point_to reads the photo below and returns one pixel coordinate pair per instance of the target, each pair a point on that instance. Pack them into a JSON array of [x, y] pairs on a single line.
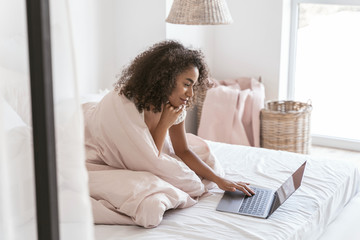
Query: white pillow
[[13, 35], [19, 150], [18, 139], [93, 97], [10, 118], [15, 89]]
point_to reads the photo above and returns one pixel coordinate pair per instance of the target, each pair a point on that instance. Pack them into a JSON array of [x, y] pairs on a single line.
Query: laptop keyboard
[[256, 204]]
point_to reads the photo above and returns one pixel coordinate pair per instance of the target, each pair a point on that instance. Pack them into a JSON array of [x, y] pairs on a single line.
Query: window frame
[[322, 140]]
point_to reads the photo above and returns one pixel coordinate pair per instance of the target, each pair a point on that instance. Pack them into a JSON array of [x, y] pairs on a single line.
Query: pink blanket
[[129, 182], [231, 112]]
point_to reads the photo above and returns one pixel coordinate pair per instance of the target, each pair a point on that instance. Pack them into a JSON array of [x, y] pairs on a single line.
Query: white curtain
[[17, 185]]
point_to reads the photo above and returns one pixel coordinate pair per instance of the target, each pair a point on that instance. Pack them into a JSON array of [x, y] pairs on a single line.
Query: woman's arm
[[168, 117], [179, 142]]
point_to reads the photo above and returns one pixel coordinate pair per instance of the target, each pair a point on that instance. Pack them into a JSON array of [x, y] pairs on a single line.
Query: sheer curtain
[[17, 185]]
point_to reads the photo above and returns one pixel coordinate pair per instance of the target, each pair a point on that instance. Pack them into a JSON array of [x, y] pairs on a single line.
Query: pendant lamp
[[199, 12]]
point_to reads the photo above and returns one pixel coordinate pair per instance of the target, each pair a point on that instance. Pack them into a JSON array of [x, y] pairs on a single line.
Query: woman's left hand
[[169, 115], [228, 185]]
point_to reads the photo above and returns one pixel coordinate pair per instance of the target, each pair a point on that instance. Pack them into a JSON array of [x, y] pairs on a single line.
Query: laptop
[[265, 201]]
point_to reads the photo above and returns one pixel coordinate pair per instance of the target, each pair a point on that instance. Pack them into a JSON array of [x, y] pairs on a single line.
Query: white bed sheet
[[327, 187]]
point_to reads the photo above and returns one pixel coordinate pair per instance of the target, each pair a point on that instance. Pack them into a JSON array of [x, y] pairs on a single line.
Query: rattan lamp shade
[[199, 12]]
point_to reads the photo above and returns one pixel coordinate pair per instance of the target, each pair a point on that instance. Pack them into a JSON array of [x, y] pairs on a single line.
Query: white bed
[[326, 206], [328, 186]]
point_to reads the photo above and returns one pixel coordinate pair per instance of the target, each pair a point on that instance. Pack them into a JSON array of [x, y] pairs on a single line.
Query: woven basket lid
[[199, 12]]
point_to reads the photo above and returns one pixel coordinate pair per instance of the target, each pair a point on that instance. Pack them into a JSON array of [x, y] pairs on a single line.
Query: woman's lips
[[184, 101]]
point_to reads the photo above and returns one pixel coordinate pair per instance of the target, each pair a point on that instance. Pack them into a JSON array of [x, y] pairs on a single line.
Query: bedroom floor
[[336, 153]]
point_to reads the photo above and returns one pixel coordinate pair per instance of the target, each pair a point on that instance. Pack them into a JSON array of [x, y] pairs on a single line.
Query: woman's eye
[[187, 85]]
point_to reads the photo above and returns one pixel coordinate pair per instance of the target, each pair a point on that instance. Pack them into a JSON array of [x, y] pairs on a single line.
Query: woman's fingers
[[244, 190], [228, 185], [230, 189], [244, 187], [176, 109], [170, 114], [248, 187], [180, 108]]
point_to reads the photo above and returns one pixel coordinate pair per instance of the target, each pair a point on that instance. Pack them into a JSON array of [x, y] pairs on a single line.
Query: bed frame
[[44, 137], [38, 26]]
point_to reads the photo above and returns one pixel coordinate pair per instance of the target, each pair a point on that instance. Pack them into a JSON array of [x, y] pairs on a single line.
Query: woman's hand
[[170, 114], [168, 117], [231, 186]]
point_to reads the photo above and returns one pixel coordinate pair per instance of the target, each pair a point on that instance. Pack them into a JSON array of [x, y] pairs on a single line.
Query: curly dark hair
[[151, 77]]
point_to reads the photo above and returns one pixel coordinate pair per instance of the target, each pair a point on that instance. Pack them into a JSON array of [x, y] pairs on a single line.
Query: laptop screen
[[288, 187]]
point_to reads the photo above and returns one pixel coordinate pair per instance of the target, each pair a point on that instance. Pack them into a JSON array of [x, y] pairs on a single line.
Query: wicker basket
[[285, 125], [199, 102]]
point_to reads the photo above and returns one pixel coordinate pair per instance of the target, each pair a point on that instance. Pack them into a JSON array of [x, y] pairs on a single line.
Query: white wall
[[254, 45], [13, 37], [126, 28], [251, 46], [108, 34], [198, 37], [83, 14]]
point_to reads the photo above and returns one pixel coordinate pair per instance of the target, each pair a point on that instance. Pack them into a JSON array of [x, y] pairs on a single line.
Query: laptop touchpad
[[231, 201]]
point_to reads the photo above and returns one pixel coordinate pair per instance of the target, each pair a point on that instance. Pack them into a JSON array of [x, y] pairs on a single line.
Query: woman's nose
[[190, 92]]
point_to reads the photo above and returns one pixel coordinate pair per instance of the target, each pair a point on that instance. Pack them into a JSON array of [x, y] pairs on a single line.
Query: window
[[325, 68]]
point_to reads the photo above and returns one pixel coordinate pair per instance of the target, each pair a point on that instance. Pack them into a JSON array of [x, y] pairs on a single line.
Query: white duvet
[[327, 187]]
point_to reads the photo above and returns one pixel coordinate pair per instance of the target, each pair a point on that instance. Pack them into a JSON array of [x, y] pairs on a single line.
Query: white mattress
[[326, 188]]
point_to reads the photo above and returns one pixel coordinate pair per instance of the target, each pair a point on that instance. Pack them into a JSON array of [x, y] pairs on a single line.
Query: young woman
[[162, 83]]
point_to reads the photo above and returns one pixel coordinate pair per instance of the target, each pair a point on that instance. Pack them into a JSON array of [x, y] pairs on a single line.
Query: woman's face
[[184, 86]]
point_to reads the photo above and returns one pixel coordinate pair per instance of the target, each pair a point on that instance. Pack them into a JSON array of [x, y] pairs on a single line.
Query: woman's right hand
[[170, 114], [228, 185]]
